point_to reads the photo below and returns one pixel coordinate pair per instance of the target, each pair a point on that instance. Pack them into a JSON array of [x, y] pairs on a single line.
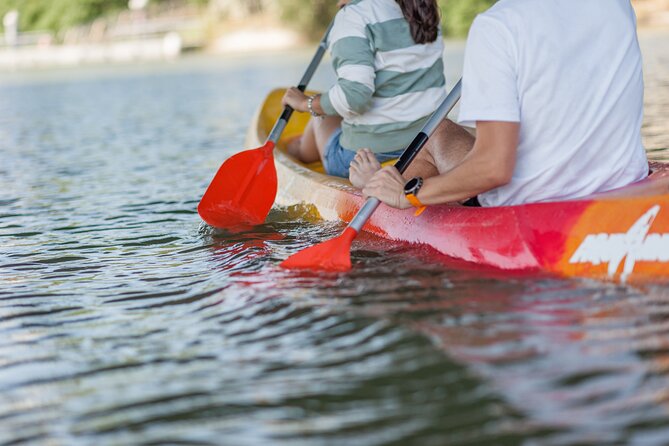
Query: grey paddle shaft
[[411, 151], [281, 124]]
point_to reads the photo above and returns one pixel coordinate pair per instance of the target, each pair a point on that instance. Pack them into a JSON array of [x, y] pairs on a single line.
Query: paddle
[[334, 255], [245, 186]]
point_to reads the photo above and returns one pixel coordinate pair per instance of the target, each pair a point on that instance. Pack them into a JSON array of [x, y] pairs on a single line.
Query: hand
[[388, 186], [295, 99], [342, 3]]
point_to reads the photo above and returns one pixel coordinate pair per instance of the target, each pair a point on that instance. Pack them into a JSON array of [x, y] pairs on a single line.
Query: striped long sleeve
[[387, 84], [353, 61]]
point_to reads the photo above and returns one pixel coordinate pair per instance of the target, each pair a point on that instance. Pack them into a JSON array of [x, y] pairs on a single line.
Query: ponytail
[[423, 17]]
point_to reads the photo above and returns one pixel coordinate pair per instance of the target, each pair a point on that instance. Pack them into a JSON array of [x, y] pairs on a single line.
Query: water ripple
[[124, 320]]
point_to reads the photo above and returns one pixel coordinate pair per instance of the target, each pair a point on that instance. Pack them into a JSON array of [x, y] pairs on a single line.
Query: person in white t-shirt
[[555, 90]]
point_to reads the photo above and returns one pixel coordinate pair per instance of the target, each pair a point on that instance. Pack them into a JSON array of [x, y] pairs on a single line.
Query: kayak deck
[[620, 235]]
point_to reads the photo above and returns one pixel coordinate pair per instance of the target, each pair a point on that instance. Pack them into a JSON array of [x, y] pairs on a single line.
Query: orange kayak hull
[[622, 236]]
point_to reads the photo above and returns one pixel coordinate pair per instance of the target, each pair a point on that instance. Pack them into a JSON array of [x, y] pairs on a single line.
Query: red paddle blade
[[243, 190], [333, 255]]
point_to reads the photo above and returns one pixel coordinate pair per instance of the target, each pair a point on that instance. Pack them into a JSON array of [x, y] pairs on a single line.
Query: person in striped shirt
[[388, 57]]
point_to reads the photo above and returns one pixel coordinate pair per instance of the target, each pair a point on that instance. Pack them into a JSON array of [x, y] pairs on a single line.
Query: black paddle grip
[[411, 151], [287, 113]]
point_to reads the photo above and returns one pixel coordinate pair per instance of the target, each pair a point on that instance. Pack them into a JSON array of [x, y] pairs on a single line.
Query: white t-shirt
[[570, 71]]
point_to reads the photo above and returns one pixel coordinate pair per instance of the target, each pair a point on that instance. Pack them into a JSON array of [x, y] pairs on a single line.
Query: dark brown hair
[[423, 17]]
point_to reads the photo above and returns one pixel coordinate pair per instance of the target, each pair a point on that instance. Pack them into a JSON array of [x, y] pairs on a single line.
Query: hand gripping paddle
[[244, 188], [334, 255]]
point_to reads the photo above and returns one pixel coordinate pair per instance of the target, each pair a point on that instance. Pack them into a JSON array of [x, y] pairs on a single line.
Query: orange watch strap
[[415, 202]]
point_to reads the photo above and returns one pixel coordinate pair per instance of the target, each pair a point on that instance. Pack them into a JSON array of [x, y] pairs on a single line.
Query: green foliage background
[[457, 15], [311, 16], [57, 15]]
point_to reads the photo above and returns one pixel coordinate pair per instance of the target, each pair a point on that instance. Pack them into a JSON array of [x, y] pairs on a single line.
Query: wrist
[[404, 203], [311, 103], [411, 189]]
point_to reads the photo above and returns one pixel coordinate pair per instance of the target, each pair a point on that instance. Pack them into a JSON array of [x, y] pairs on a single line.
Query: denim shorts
[[338, 159]]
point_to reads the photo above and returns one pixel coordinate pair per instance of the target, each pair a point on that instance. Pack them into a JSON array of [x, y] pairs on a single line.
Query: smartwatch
[[411, 189]]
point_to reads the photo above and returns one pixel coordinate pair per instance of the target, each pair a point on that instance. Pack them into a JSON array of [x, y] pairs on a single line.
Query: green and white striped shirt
[[387, 85]]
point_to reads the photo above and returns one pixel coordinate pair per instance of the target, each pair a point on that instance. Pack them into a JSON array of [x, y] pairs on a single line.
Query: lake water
[[123, 320]]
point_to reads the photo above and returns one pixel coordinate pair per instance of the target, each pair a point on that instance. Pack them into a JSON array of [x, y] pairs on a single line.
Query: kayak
[[621, 235]]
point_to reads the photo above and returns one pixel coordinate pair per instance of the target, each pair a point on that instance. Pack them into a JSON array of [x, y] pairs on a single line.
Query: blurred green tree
[[57, 15], [312, 16], [309, 16], [457, 15]]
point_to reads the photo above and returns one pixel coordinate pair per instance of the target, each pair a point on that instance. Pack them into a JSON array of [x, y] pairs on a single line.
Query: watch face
[[411, 185]]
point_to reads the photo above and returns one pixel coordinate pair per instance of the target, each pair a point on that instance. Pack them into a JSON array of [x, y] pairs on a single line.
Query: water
[[124, 321]]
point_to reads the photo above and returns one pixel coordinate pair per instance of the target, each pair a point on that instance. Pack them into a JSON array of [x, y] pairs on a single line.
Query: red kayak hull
[[621, 236]]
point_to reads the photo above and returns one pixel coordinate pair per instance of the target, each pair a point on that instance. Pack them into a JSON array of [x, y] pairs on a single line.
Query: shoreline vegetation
[[309, 16], [37, 33]]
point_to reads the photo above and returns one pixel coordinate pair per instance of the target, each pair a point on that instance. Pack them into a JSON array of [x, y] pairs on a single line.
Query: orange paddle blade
[[333, 255], [243, 190]]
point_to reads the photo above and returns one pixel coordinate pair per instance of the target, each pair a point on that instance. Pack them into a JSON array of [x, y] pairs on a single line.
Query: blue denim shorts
[[338, 159]]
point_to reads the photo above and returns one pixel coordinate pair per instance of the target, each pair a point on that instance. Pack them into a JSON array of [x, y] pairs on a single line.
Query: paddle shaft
[[411, 152], [281, 124]]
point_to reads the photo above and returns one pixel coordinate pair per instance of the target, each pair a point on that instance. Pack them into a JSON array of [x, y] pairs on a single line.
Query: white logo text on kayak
[[637, 245]]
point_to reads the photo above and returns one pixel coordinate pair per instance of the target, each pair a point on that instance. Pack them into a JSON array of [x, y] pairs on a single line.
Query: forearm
[[348, 98], [490, 164], [470, 178], [316, 105]]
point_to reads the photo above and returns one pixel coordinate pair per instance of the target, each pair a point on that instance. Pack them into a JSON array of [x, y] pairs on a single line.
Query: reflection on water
[[124, 321], [656, 107]]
